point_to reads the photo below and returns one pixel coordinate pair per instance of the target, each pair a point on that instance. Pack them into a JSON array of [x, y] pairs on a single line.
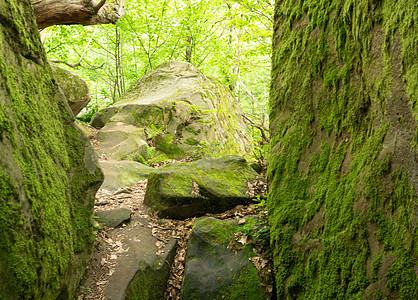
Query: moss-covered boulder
[[74, 88], [343, 165], [181, 112], [119, 174], [191, 189], [215, 272], [48, 172]]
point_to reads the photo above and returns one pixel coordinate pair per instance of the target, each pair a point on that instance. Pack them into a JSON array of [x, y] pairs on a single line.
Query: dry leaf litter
[[109, 242]]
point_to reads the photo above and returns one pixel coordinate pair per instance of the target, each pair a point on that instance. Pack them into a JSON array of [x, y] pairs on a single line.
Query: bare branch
[[262, 129], [78, 64], [99, 6]]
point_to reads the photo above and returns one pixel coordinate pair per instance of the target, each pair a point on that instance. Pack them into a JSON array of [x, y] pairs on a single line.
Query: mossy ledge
[[48, 172], [343, 165]]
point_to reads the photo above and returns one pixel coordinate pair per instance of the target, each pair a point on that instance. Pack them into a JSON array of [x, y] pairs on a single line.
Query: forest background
[[227, 39]]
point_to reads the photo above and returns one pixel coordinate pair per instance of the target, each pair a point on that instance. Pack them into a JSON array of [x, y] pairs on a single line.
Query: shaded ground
[[108, 243]]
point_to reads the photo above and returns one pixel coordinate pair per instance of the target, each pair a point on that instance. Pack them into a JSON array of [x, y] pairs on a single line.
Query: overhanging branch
[[84, 12]]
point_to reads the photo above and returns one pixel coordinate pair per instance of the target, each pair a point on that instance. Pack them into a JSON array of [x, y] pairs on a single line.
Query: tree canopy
[[227, 39]]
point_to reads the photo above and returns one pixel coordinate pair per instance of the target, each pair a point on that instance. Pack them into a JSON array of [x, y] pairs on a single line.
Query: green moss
[[150, 281], [246, 286], [331, 174], [214, 231], [401, 276], [152, 117], [46, 188], [376, 264], [191, 142], [229, 275], [167, 144], [5, 124]]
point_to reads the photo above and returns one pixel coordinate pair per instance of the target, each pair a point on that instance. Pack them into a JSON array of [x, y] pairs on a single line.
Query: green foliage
[[204, 150], [230, 40]]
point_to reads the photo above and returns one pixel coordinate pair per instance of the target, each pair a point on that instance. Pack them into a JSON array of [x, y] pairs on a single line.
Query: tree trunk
[[85, 12]]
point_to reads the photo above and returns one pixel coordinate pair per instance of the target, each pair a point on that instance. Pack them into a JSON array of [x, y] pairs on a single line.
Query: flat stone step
[[143, 270]]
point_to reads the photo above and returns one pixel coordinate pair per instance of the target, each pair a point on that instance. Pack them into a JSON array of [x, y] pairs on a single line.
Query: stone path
[[143, 242], [113, 244]]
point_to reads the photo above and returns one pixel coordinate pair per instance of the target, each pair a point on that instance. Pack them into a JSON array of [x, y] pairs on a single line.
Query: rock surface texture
[[48, 172], [343, 167], [119, 174], [185, 190], [74, 88], [215, 272], [173, 111], [142, 271], [113, 218]]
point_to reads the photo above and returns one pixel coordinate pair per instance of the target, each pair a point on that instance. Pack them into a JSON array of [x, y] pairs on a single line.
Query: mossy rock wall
[[343, 166], [48, 171]]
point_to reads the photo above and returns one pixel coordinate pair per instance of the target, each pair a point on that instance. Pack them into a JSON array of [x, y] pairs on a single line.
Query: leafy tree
[[227, 39]]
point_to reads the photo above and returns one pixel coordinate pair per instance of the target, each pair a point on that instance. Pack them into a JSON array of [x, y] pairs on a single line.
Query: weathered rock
[[182, 112], [48, 171], [85, 128], [141, 273], [120, 141], [343, 158], [185, 190], [119, 174], [74, 88], [113, 218], [215, 272]]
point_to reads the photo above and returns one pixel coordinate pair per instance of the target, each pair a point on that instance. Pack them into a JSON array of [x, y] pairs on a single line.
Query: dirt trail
[[109, 246]]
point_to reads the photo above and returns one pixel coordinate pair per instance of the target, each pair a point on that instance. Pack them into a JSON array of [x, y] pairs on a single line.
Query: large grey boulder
[[185, 190], [74, 88], [48, 170], [215, 272], [177, 110]]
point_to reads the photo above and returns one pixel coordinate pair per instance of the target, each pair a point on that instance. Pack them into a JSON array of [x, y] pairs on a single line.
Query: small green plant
[[260, 201], [97, 227], [85, 291], [257, 229]]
